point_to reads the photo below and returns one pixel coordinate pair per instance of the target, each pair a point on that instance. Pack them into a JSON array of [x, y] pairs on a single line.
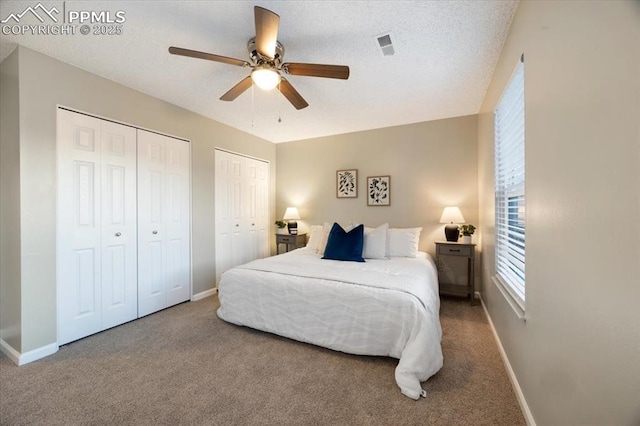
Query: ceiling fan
[[265, 59]]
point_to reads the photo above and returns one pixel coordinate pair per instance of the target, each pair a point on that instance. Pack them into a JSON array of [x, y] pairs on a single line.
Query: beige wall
[[45, 83], [10, 202], [577, 356], [432, 165]]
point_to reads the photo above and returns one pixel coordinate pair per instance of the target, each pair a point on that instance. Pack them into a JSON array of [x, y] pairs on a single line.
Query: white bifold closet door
[[242, 210], [163, 222], [97, 232], [123, 234]]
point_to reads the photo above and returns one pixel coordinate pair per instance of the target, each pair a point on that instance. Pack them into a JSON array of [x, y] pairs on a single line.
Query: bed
[[382, 307]]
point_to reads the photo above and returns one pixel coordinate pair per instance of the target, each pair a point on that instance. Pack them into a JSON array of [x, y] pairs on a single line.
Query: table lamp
[[451, 216], [291, 215]]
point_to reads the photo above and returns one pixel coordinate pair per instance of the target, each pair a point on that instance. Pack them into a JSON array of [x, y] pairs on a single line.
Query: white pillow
[[375, 242], [315, 237], [403, 242], [350, 226], [325, 236]]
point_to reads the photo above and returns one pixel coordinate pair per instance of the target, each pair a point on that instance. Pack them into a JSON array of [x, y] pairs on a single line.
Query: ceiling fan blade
[[208, 56], [317, 70], [267, 24], [237, 90], [292, 94]]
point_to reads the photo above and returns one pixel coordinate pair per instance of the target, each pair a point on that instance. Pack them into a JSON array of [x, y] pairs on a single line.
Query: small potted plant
[[467, 231], [281, 224]]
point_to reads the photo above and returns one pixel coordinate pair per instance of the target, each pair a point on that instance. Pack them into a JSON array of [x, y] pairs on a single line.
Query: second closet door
[[242, 210], [163, 222]]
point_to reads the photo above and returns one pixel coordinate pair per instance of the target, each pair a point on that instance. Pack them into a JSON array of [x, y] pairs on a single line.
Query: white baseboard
[[37, 354], [514, 380], [27, 357], [203, 294], [11, 353]]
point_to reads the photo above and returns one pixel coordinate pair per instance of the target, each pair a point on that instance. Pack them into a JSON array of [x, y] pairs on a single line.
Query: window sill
[[517, 309]]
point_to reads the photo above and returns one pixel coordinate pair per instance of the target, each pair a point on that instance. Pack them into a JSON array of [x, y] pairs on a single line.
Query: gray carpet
[[185, 366]]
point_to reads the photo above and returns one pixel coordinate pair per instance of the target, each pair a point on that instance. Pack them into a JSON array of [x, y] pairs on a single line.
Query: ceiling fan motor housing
[[258, 59]]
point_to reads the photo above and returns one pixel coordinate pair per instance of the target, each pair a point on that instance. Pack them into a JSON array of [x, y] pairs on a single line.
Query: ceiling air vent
[[384, 41]]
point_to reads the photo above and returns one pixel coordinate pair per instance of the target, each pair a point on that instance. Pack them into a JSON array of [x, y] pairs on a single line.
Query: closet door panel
[[251, 211], [223, 209], [78, 247], [229, 205], [262, 209], [151, 227], [119, 225], [258, 208], [238, 225], [163, 222], [178, 213]]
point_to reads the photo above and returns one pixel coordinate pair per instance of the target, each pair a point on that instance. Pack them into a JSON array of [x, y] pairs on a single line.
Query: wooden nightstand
[[456, 269], [297, 241]]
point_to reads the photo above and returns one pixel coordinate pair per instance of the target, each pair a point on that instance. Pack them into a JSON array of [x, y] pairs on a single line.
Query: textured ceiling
[[445, 53]]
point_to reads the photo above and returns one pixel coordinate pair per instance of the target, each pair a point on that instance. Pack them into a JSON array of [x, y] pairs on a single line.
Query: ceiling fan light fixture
[[265, 78]]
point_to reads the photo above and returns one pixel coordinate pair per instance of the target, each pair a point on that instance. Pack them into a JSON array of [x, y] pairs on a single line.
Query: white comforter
[[380, 307]]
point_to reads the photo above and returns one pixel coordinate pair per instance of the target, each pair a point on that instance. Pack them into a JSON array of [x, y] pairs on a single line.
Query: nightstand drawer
[[452, 250], [295, 241]]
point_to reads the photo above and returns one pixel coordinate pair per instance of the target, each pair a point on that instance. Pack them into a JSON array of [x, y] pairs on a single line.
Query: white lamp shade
[[451, 215], [291, 214], [265, 78]]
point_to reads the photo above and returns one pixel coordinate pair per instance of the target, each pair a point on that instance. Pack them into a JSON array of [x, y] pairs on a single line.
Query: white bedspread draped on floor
[[379, 307]]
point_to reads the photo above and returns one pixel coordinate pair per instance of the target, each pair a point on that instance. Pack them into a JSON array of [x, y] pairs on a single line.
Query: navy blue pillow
[[342, 245]]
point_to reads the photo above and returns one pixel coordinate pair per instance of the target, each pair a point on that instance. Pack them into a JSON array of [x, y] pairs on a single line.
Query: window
[[510, 188]]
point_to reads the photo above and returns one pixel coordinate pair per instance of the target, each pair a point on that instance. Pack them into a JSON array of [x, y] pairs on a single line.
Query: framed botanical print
[[379, 191], [347, 183]]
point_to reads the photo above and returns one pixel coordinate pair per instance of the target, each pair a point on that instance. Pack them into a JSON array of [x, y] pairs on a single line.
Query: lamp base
[[451, 232], [292, 226]]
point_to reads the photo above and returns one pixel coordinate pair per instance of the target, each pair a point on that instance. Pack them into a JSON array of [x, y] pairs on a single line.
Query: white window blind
[[509, 187]]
